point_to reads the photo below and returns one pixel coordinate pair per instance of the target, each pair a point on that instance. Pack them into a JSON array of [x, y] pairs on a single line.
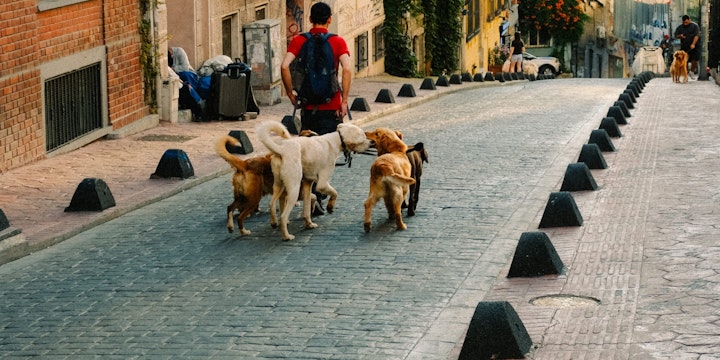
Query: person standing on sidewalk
[[321, 118], [517, 47], [689, 34], [667, 46]]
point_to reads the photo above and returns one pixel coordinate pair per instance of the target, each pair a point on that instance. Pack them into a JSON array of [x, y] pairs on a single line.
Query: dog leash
[[347, 153]]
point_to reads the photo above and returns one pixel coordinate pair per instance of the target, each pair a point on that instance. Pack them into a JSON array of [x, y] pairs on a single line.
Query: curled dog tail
[[234, 161], [400, 180], [266, 128], [389, 173]]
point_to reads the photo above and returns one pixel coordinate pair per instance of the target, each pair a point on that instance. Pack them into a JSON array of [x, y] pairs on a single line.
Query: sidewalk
[[34, 197], [641, 279]]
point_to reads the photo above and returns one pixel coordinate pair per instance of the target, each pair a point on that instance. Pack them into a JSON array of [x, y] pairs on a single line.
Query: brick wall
[[29, 38], [21, 130], [125, 86]]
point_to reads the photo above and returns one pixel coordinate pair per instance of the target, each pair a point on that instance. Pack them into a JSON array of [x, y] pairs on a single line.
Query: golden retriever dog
[[417, 155], [678, 67], [297, 162], [389, 175], [530, 68], [253, 178]]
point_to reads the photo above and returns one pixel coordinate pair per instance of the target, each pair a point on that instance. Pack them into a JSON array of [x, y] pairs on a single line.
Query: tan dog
[[300, 161], [530, 68], [389, 175], [252, 180], [678, 67]]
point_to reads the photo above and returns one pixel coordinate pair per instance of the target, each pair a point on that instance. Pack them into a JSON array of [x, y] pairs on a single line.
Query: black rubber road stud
[[578, 178], [561, 210], [495, 332], [92, 194], [174, 164], [535, 256]]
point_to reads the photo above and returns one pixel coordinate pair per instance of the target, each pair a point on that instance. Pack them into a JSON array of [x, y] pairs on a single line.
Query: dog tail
[[234, 161], [400, 180], [266, 128]]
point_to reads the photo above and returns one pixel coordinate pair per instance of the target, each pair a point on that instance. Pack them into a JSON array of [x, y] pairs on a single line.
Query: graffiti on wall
[[356, 18], [294, 16]]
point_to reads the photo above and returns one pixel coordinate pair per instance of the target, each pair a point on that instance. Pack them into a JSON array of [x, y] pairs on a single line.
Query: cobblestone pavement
[[166, 280]]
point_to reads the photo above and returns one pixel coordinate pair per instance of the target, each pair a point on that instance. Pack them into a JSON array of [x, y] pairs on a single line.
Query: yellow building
[[485, 24]]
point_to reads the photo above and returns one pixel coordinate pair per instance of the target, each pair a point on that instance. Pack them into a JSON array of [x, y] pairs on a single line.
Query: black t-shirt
[[517, 45]]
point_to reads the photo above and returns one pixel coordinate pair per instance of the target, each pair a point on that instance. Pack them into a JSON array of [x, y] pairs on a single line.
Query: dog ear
[[398, 133]]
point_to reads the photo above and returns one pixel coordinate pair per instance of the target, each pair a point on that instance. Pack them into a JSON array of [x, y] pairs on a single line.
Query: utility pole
[[704, 25]]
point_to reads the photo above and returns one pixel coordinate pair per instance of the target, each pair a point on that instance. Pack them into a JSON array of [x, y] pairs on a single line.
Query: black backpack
[[313, 71]]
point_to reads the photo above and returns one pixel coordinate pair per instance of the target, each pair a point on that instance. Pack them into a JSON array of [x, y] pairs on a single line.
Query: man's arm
[[347, 74], [286, 76]]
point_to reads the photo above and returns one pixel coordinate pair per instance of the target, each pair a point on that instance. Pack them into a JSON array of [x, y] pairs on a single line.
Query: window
[[361, 47], [227, 35], [472, 16], [73, 105], [54, 4], [378, 43], [261, 12], [537, 38]]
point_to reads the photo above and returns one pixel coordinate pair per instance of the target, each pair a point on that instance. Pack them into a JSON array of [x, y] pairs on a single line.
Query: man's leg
[[322, 122]]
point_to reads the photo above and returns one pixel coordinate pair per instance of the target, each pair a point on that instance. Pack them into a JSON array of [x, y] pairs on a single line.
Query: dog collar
[[342, 142]]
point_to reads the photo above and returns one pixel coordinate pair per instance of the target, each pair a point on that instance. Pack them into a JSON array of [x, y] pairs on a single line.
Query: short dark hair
[[686, 17], [320, 13]]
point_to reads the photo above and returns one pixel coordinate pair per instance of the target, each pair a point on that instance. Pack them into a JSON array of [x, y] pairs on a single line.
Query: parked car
[[546, 65]]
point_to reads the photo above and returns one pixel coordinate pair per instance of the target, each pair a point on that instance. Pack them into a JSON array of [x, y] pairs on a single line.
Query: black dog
[[417, 154]]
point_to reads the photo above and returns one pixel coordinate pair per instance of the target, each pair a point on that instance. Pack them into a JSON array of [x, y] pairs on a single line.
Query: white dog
[[530, 68], [300, 161]]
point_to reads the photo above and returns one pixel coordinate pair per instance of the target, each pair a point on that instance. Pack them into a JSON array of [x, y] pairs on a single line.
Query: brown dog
[[252, 180], [389, 175], [417, 155], [679, 66]]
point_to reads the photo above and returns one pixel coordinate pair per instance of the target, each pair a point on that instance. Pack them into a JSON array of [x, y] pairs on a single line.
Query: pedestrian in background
[[689, 34], [667, 46], [517, 47]]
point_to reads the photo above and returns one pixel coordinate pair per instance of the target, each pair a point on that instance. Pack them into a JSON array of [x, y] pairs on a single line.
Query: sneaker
[[691, 75]]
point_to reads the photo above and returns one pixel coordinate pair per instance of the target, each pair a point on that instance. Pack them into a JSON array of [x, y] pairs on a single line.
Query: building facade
[[69, 75]]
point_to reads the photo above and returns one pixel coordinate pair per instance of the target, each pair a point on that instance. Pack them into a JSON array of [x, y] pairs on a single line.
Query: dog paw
[[245, 232], [368, 227], [310, 225], [230, 230], [401, 227], [411, 212], [288, 237], [273, 225]]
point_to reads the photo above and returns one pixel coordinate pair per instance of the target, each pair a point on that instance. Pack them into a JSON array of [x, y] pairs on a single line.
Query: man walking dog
[[689, 34], [305, 59]]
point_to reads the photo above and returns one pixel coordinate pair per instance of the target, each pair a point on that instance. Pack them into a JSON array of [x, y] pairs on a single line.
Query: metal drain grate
[[564, 301], [168, 138]]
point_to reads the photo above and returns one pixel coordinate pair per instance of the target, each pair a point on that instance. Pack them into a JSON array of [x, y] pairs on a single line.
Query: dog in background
[[253, 178], [417, 155], [530, 68], [389, 175], [678, 67], [297, 162]]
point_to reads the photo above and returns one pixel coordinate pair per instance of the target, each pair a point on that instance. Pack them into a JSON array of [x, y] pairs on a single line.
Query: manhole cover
[[169, 138], [564, 301]]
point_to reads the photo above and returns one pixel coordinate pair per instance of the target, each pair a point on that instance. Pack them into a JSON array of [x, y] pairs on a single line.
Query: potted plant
[[497, 58]]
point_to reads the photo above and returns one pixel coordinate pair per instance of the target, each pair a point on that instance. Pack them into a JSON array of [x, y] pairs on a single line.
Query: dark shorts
[[319, 121], [694, 54]]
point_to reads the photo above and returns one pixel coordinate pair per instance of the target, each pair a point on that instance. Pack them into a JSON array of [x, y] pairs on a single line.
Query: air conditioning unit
[[600, 32]]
